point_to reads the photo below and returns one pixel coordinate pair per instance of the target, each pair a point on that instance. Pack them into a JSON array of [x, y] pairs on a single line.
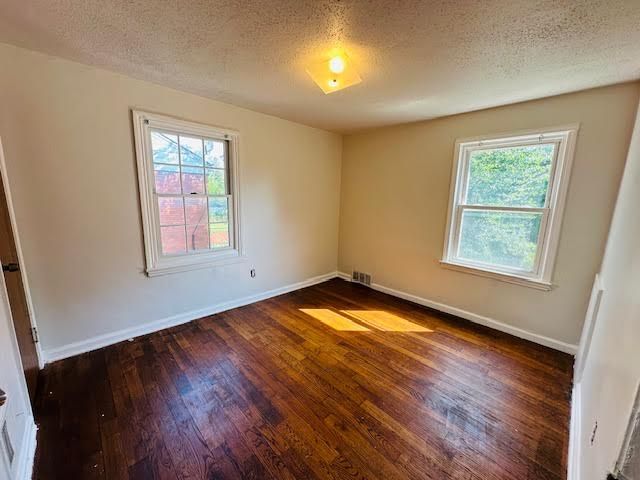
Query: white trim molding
[[27, 452], [550, 213], [573, 460], [475, 318], [99, 341], [488, 273], [158, 263], [23, 268], [591, 318]]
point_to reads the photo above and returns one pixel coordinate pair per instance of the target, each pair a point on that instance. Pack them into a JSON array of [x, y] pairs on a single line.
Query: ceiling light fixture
[[336, 64], [334, 74]]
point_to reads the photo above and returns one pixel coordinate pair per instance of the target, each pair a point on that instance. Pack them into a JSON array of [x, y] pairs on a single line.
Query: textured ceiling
[[418, 59]]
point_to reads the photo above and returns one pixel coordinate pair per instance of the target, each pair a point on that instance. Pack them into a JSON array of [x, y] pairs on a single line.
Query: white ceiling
[[418, 59]]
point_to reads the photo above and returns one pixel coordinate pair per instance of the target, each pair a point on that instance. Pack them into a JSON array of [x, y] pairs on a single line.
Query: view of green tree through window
[[509, 239], [505, 177], [510, 177]]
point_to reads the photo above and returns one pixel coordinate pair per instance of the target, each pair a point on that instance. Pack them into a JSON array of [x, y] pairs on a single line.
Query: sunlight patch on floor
[[385, 321], [334, 320], [376, 319]]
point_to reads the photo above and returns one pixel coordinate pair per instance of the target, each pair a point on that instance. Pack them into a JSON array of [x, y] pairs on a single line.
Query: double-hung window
[[188, 180], [505, 209]]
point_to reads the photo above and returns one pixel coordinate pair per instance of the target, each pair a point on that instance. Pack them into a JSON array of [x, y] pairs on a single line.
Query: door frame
[[16, 236], [24, 453]]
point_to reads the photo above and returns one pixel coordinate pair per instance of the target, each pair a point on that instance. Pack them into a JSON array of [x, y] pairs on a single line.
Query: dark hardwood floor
[[333, 381]]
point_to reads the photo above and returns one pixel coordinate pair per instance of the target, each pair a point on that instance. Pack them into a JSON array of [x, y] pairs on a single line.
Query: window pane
[[507, 239], [173, 240], [218, 209], [214, 153], [197, 238], [216, 182], [165, 147], [167, 179], [196, 210], [510, 176], [191, 151], [171, 210], [192, 180], [219, 233]]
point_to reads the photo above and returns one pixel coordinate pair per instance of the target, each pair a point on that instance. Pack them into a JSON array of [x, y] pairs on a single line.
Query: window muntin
[[505, 209], [188, 186]]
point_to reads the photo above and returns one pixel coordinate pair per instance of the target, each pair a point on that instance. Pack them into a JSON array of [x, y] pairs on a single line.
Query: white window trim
[[156, 262], [541, 277]]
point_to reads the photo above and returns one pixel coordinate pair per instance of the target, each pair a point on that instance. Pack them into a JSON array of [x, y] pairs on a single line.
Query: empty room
[[320, 239]]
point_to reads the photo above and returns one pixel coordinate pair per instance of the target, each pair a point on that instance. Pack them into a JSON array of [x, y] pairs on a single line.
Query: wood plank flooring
[[334, 381]]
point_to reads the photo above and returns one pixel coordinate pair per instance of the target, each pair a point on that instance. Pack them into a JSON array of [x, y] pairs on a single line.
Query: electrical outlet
[[593, 433], [253, 273]]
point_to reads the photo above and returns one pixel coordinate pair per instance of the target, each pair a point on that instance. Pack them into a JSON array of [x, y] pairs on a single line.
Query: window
[[188, 178], [505, 210]]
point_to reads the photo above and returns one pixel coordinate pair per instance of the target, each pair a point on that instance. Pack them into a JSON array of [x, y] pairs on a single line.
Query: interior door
[[17, 429], [17, 297]]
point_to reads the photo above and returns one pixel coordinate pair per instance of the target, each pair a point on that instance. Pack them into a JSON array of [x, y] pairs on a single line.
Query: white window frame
[[552, 212], [156, 262]]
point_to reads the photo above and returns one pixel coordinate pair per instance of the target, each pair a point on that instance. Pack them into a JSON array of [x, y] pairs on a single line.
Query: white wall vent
[[361, 277]]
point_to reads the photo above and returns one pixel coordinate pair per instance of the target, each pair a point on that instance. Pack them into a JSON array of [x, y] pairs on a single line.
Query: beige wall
[[612, 367], [67, 135], [395, 191]]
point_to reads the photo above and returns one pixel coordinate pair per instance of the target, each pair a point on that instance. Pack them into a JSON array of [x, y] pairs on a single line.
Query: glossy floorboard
[[333, 381]]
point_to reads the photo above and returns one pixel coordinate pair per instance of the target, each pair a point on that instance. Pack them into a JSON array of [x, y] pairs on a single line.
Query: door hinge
[[34, 334]]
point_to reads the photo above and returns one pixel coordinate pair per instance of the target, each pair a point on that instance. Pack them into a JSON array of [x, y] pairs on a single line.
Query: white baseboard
[[573, 462], [475, 318], [99, 341], [344, 276], [27, 452]]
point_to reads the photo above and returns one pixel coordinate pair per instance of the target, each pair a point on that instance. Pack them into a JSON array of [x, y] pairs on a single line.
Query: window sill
[[183, 265], [501, 276]]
